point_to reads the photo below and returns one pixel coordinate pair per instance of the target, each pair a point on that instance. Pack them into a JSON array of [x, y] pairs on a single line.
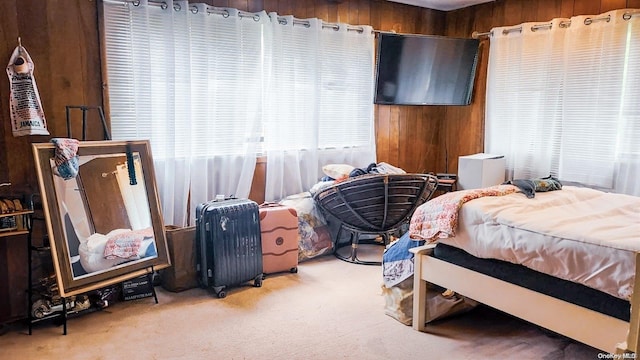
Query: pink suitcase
[[280, 237]]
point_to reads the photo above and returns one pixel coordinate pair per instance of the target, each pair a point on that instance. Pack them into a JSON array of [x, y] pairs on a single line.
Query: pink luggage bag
[[280, 237]]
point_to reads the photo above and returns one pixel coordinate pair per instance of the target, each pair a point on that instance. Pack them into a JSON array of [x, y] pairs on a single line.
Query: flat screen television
[[425, 70]]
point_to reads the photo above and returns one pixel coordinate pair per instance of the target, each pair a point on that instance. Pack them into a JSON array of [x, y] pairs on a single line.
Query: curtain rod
[[281, 20], [225, 13], [563, 24]]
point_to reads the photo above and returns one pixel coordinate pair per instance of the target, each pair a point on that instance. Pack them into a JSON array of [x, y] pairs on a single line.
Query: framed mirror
[[105, 223]]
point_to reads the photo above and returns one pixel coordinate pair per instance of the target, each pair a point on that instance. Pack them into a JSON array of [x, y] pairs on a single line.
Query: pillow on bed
[[548, 183], [337, 171]]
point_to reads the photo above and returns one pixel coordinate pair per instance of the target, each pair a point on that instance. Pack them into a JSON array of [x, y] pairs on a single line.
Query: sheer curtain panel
[[327, 115], [193, 95], [213, 87], [147, 95], [226, 65], [562, 99]]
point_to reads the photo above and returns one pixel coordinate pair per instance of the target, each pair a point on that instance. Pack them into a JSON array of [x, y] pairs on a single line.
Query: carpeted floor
[[328, 310]]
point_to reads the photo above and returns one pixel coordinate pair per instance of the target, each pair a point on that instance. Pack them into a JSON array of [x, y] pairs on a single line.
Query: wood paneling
[[586, 7], [63, 44], [8, 39], [608, 5], [13, 277], [62, 37]]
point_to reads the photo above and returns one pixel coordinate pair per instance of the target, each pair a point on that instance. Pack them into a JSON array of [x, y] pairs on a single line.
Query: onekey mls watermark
[[616, 356]]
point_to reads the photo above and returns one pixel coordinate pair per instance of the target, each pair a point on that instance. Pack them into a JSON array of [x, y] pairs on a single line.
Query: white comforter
[[577, 234]]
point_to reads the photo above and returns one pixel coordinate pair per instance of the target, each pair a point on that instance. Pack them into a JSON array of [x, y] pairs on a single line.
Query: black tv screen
[[425, 70]]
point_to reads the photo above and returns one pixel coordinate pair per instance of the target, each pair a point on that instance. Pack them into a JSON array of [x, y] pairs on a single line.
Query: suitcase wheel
[[220, 293], [293, 270], [257, 282]]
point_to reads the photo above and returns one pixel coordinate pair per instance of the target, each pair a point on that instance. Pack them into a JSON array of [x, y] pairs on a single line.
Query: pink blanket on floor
[[126, 245], [438, 218]]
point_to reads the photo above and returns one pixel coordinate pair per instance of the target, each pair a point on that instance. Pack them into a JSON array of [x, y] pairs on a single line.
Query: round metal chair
[[373, 204]]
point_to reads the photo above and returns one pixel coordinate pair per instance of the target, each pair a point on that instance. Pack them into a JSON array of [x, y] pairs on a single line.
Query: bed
[[564, 260]]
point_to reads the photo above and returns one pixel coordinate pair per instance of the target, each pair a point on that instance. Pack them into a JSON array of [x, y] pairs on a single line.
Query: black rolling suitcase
[[228, 244]]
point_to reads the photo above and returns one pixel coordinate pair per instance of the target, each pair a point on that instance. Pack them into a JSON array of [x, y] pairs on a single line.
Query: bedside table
[[446, 182], [446, 185]]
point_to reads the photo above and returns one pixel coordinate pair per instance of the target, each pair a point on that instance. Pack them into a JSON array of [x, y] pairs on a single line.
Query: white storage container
[[480, 170]]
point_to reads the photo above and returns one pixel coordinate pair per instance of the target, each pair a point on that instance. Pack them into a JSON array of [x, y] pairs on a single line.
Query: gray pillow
[[529, 187]]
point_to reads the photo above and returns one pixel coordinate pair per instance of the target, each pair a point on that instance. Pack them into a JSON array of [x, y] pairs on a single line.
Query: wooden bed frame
[[600, 331]]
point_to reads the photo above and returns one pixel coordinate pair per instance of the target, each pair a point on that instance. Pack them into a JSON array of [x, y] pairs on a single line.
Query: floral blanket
[[433, 220], [125, 245], [438, 218]]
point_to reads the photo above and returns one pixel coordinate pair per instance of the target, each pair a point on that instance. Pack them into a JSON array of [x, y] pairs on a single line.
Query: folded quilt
[[438, 218]]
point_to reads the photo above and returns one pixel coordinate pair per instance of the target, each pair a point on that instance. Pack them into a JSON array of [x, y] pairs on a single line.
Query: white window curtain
[[198, 81], [562, 99], [327, 115]]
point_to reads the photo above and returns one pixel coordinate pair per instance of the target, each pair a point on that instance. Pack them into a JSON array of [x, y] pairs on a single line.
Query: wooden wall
[[62, 37]]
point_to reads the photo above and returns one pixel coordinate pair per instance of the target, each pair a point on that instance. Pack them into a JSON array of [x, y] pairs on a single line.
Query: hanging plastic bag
[[27, 115]]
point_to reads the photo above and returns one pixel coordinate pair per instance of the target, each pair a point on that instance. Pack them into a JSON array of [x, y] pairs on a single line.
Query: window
[[562, 100], [212, 87]]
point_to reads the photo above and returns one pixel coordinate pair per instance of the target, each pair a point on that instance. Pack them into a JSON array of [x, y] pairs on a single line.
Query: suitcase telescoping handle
[[269, 204], [221, 197]]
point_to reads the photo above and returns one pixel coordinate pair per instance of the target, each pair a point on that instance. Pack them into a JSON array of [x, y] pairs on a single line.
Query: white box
[[480, 170]]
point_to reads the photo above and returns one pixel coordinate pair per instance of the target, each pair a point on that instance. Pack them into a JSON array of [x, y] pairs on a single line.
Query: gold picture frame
[[104, 222]]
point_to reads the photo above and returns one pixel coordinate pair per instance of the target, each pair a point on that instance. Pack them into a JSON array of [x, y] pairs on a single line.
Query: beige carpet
[[328, 310]]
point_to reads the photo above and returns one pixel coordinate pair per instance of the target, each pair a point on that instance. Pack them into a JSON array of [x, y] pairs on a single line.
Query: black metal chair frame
[[373, 204]]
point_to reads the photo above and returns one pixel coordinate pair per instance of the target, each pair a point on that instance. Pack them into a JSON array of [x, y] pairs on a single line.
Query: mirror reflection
[[105, 212]]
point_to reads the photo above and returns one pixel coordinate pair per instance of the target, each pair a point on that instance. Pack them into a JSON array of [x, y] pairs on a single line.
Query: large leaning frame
[[59, 230]]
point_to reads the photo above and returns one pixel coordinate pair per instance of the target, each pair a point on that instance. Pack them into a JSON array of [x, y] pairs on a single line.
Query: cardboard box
[[480, 170]]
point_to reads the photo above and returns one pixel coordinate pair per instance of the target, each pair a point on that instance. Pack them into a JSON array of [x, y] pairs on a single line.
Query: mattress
[[542, 283], [575, 234]]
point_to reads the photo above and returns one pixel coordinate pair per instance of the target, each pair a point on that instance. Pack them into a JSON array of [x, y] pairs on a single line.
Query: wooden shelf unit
[[25, 223]]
